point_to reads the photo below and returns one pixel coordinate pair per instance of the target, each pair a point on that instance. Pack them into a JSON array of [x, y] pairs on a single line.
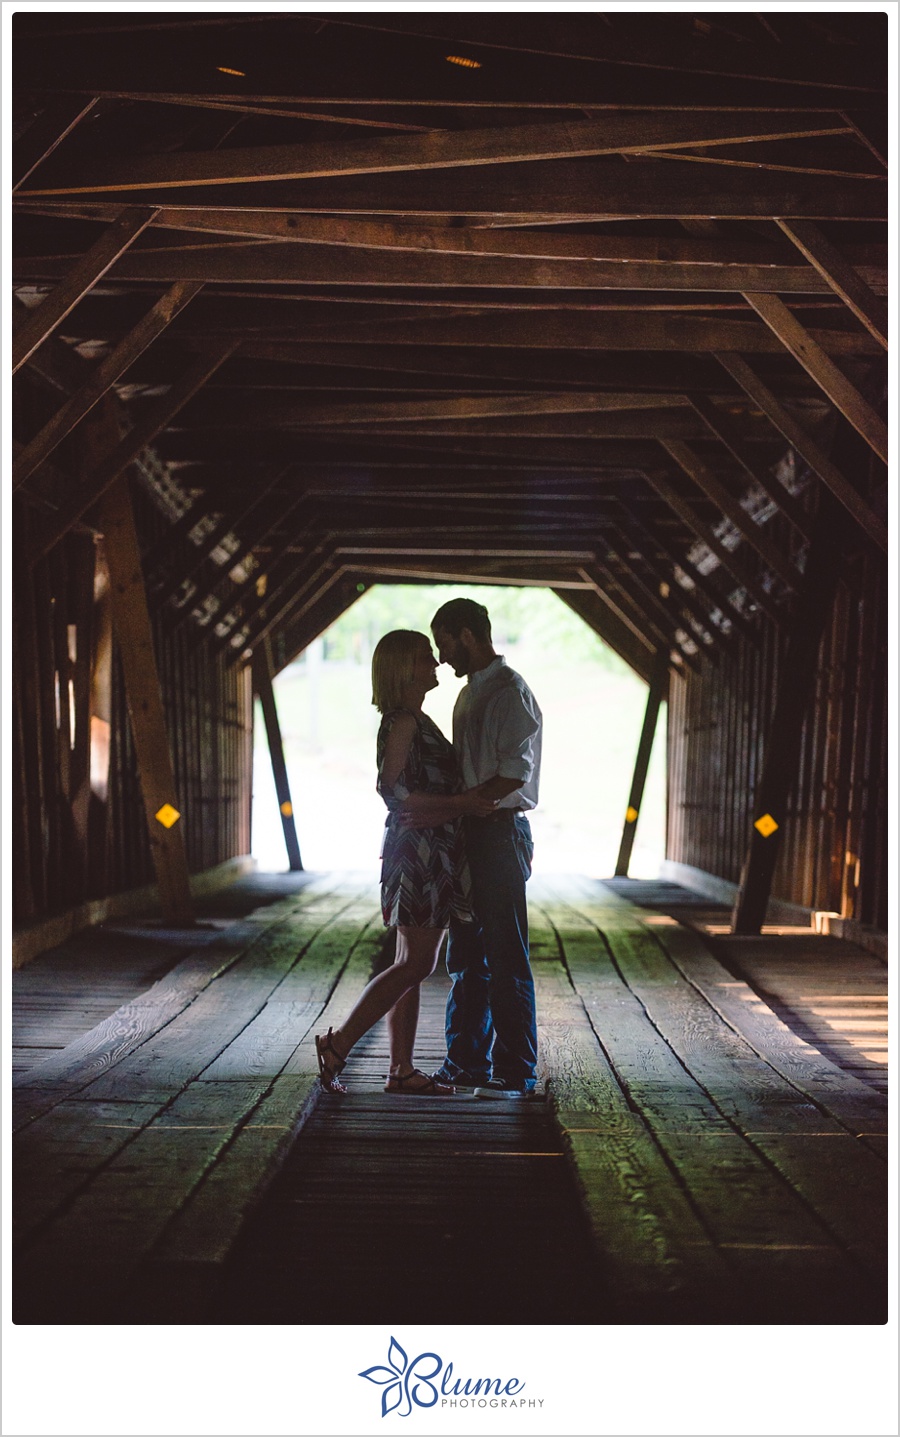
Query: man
[[490, 1024]]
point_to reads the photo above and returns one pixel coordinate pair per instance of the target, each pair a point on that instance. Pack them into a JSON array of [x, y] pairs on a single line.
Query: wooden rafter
[[837, 272], [692, 465], [103, 375], [806, 349], [46, 131], [441, 149], [106, 468], [807, 447], [704, 533], [102, 255]]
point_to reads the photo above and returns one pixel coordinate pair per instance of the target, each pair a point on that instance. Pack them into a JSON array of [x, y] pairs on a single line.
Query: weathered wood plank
[[205, 1229], [134, 637], [47, 131], [848, 1100], [752, 1095], [749, 1210], [648, 1234], [840, 275], [97, 1051], [108, 466], [101, 378], [439, 149], [190, 1044], [845, 492], [704, 477], [33, 329], [83, 1261], [312, 264], [870, 260], [806, 349]]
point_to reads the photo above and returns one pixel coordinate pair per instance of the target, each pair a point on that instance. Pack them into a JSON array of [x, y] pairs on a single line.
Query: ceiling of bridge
[[570, 300]]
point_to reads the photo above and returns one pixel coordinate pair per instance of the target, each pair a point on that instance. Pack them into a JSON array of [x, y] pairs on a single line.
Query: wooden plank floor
[[695, 1161], [831, 993]]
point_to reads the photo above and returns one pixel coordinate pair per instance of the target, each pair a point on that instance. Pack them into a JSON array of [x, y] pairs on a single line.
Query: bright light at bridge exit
[[592, 702]]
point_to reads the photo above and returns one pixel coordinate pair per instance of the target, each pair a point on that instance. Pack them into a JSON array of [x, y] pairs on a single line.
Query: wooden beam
[[720, 425], [311, 264], [281, 409], [135, 643], [199, 553], [262, 682], [346, 232], [639, 535], [47, 131], [837, 272], [658, 683], [101, 378], [324, 577], [41, 322], [806, 349], [109, 466], [807, 448], [195, 600], [612, 134], [686, 458], [703, 532], [703, 583], [577, 330], [515, 194]]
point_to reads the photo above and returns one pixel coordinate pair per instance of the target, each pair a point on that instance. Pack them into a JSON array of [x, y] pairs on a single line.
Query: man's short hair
[[392, 666], [459, 614]]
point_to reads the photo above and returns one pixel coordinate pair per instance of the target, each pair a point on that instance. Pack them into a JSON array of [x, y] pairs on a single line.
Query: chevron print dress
[[425, 879]]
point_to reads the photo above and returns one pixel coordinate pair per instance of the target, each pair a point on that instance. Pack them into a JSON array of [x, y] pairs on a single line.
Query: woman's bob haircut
[[392, 667]]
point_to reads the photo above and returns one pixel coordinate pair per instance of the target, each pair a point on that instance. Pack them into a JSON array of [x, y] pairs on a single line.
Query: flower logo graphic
[[405, 1383]]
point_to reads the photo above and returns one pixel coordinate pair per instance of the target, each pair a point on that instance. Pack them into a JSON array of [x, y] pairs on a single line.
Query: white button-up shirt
[[497, 731]]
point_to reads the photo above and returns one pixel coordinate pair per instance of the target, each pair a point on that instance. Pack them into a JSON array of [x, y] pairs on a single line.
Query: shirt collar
[[482, 675]]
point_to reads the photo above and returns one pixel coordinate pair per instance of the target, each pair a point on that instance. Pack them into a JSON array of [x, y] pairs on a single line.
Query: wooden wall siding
[[75, 847], [718, 726]]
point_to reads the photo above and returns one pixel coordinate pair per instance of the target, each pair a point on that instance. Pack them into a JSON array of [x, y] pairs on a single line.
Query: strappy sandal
[[425, 1087], [330, 1063]]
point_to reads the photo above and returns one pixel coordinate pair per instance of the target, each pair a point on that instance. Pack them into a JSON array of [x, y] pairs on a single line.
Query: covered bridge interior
[[306, 303]]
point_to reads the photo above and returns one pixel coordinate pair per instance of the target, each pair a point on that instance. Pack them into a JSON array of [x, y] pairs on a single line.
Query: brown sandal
[[329, 1070], [425, 1088]]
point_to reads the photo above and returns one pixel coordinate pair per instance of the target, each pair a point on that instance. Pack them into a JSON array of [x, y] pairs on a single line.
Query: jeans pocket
[[524, 852]]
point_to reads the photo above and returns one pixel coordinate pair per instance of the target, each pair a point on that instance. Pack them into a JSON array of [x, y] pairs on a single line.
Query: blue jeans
[[490, 1011]]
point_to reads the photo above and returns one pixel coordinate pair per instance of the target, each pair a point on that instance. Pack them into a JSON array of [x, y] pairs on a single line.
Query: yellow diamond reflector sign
[[167, 815], [630, 814], [766, 825], [287, 809]]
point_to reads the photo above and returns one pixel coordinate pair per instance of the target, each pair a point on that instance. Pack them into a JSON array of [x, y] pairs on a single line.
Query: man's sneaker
[[501, 1088], [462, 1081]]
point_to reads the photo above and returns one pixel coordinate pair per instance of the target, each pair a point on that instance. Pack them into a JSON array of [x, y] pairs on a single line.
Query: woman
[[425, 876]]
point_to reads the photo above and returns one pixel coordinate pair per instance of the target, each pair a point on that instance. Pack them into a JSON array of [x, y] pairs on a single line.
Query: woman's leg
[[402, 1022], [417, 951]]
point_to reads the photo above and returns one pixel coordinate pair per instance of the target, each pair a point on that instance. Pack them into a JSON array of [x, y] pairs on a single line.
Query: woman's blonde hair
[[392, 666]]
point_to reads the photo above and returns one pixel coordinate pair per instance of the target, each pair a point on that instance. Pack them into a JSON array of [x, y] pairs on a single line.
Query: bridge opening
[[593, 706]]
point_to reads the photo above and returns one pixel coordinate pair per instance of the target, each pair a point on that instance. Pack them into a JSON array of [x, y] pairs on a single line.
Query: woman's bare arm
[[396, 749]]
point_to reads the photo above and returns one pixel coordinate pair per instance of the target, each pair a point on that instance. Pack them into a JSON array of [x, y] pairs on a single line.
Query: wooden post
[[821, 578], [131, 622], [262, 682], [658, 679]]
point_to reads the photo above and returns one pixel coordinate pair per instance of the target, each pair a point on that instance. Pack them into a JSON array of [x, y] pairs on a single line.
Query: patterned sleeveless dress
[[425, 879]]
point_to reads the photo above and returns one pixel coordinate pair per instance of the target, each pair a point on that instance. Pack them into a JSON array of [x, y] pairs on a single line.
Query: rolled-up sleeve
[[513, 724]]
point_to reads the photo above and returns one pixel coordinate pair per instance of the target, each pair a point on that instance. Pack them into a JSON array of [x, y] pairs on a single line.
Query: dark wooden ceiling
[[573, 300]]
